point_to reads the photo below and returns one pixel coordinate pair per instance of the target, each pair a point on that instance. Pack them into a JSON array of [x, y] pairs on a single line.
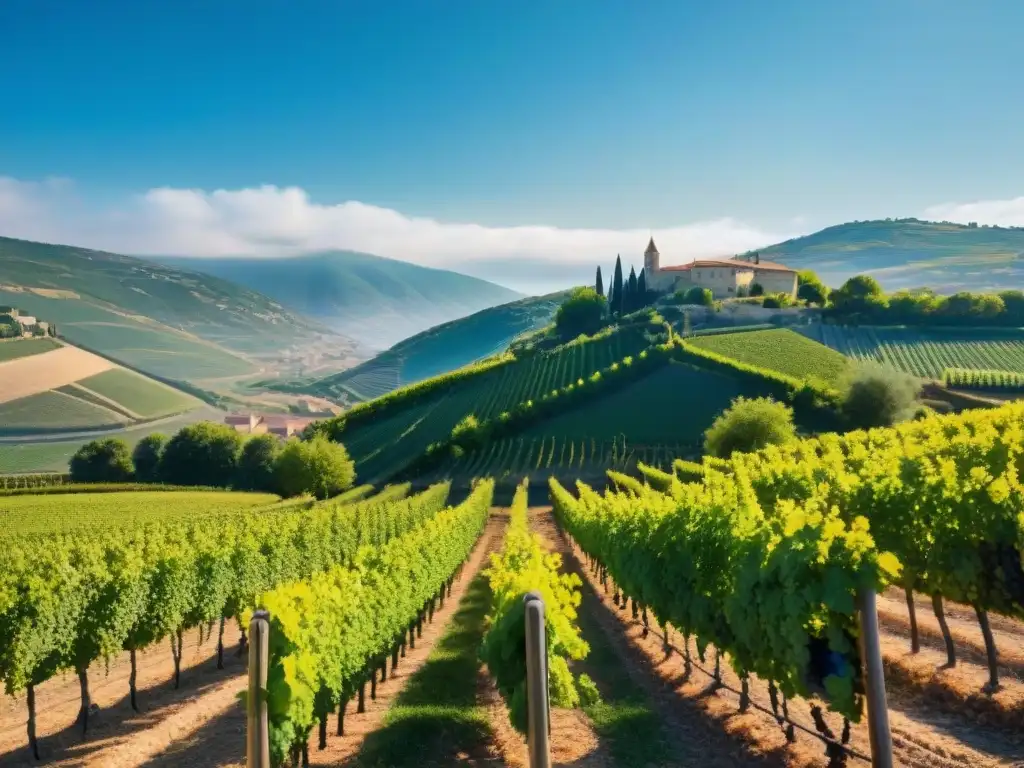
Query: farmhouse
[[726, 278], [276, 424]]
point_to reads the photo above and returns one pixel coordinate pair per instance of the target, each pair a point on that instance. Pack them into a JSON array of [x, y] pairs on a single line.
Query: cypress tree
[[617, 287], [599, 284], [632, 293], [641, 287]]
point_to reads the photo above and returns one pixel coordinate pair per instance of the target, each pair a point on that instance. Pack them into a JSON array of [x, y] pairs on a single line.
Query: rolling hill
[[909, 253], [162, 320], [374, 300], [434, 351]]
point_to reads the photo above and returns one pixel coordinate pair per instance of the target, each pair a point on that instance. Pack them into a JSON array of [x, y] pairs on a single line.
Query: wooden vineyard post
[[538, 715], [258, 726], [874, 681]]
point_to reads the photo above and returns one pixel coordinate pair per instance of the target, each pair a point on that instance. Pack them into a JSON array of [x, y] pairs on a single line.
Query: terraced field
[[389, 442], [779, 350], [927, 353]]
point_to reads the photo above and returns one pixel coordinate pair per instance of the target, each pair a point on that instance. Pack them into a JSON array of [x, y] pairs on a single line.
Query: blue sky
[[772, 118]]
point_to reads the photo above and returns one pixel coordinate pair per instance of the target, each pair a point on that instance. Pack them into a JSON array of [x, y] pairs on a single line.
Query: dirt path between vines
[[113, 722], [693, 736], [924, 736]]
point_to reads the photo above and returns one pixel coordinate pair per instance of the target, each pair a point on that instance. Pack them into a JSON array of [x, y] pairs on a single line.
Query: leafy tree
[[756, 289], [257, 464], [616, 297], [318, 466], [102, 461], [748, 425], [146, 457], [702, 297], [599, 283], [582, 312], [966, 307], [202, 454], [859, 294], [913, 306], [810, 288], [875, 396], [1013, 301]]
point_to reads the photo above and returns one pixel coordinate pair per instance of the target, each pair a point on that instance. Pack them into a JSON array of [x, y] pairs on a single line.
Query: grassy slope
[[54, 412], [438, 350], [12, 349], [927, 352], [145, 397], [155, 316], [780, 350], [375, 300], [909, 253]]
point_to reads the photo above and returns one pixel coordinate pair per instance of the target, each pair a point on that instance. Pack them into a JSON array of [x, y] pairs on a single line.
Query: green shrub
[[582, 313], [875, 396], [749, 425], [102, 461], [318, 466]]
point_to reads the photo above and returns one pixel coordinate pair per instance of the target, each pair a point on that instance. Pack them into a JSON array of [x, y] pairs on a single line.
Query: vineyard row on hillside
[[337, 629], [66, 602]]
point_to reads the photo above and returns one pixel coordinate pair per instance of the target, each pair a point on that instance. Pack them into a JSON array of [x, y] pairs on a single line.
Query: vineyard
[[820, 519], [779, 350], [398, 435], [991, 381], [145, 398], [53, 411], [926, 353], [672, 405], [66, 602], [539, 457]]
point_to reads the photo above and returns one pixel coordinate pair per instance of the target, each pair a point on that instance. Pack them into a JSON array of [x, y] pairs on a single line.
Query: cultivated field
[[391, 440], [146, 398], [69, 512], [672, 405], [927, 353], [26, 376], [779, 350], [12, 349], [55, 412]]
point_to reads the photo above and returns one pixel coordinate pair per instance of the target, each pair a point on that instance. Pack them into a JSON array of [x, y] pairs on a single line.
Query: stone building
[[727, 278]]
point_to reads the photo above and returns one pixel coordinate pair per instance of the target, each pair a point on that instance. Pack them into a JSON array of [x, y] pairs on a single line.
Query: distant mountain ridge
[[911, 253], [375, 300]]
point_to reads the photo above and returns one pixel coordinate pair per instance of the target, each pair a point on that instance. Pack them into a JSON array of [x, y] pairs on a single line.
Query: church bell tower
[[652, 264]]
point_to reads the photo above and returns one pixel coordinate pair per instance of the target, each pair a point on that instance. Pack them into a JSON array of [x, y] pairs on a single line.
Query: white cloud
[[1003, 213], [272, 221]]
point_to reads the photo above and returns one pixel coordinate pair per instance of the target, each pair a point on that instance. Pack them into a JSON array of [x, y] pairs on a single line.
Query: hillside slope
[[66, 390], [374, 300], [909, 253], [436, 350], [175, 324]]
